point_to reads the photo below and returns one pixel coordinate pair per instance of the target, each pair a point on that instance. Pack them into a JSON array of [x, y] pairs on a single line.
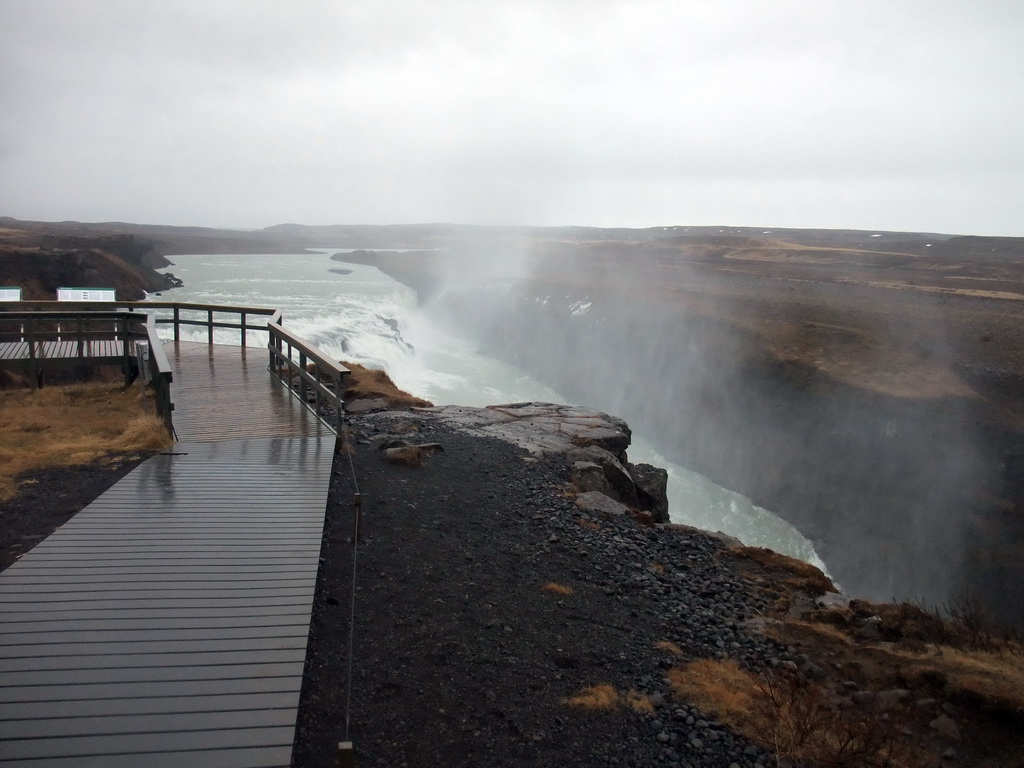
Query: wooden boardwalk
[[166, 623], [226, 393], [103, 349]]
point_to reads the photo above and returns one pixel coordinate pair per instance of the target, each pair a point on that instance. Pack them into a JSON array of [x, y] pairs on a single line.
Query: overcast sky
[[887, 114]]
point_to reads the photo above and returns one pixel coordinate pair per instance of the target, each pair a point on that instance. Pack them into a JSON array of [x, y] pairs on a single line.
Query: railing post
[[177, 326], [209, 326], [32, 365], [302, 379], [81, 338], [339, 415], [243, 330], [126, 362], [316, 390]]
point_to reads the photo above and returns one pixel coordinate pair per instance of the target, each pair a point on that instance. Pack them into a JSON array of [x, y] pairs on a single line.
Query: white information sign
[[10, 294], [85, 294]]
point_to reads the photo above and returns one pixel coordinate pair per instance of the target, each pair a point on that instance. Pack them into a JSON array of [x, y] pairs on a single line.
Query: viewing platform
[[166, 623]]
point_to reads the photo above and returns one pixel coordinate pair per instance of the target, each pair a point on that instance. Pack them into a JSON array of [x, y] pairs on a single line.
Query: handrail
[[175, 320], [318, 378], [39, 329], [325, 382], [160, 375]]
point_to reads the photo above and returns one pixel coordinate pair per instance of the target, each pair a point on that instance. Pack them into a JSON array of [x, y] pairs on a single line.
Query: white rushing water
[[357, 313]]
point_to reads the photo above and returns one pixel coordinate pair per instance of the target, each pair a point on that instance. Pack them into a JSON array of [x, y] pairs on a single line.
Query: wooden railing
[[160, 375], [208, 316], [312, 376], [59, 339], [316, 378], [76, 336]]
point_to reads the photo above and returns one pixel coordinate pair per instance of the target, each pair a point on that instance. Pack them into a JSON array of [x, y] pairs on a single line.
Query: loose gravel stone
[[466, 655]]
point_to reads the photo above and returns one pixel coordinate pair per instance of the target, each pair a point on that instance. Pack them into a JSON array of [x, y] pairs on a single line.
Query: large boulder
[[588, 476], [651, 489], [593, 442], [622, 486], [600, 504]]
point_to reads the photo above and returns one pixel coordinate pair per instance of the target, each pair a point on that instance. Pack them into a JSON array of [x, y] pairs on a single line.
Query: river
[[357, 313]]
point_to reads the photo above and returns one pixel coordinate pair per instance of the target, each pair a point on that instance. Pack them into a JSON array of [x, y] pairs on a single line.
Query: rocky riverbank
[[40, 258], [499, 620], [866, 389]]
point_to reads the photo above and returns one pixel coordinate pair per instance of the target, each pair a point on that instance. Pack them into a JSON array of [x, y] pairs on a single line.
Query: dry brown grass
[[669, 647], [558, 589], [993, 679], [721, 686], [638, 702], [595, 697], [794, 574], [821, 632], [604, 697], [71, 425], [796, 719], [368, 384]]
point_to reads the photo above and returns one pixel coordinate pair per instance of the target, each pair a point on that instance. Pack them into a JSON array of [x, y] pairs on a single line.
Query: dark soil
[[463, 658], [48, 498]]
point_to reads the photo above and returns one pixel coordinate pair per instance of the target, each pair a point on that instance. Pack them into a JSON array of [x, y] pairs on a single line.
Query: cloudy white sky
[[875, 114]]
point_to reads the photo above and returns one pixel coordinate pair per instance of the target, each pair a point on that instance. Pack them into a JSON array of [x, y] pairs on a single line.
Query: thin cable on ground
[[356, 532]]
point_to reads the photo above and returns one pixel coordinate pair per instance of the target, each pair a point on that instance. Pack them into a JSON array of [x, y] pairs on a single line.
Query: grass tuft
[[604, 697], [670, 647], [799, 720], [71, 425], [558, 589], [595, 697], [369, 384], [638, 702]]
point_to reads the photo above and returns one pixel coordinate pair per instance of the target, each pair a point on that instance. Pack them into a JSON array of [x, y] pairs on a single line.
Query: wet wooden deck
[[166, 623], [99, 349], [226, 393]]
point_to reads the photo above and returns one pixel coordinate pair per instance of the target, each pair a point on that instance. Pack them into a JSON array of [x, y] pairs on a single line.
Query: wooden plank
[[168, 603], [129, 624], [26, 581], [133, 614], [166, 624], [259, 757], [81, 638], [34, 710], [209, 720], [210, 382], [68, 678], [213, 571], [13, 350], [143, 743], [181, 644], [188, 595], [165, 689], [120, 658]]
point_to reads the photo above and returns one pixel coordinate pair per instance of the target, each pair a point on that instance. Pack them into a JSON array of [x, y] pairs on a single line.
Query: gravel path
[[463, 658]]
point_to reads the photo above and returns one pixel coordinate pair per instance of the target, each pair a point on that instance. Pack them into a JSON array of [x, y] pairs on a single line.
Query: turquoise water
[[355, 312]]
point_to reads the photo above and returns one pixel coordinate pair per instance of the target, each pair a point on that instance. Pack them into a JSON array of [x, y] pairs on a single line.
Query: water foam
[[368, 318]]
